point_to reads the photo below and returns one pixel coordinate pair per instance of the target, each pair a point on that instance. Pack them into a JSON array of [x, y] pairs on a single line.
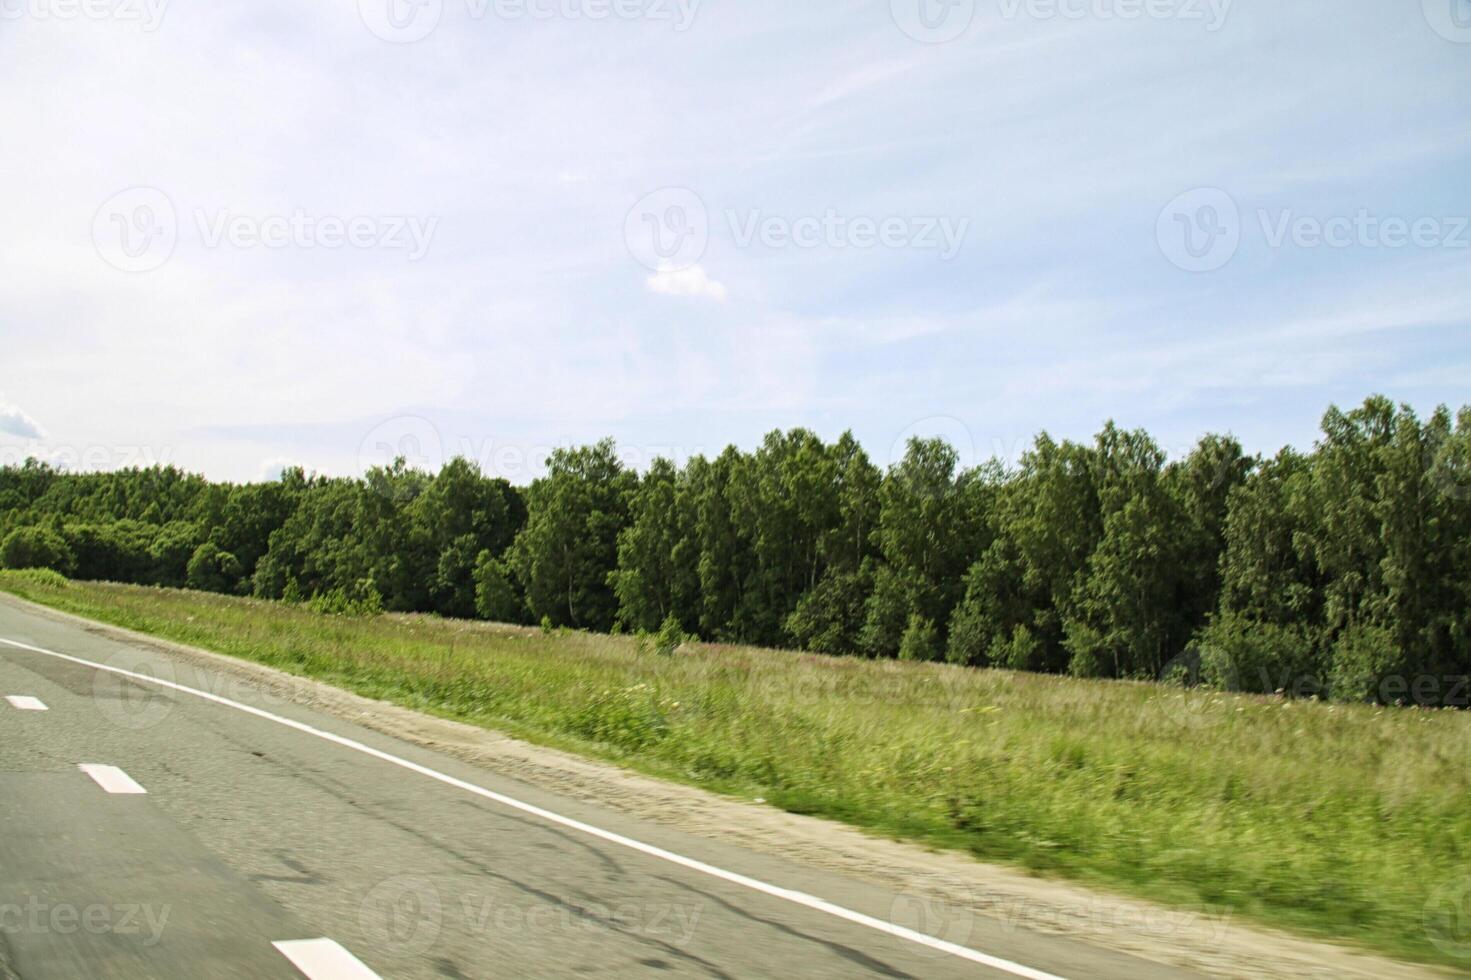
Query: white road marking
[[25, 703], [754, 884], [323, 959], [112, 779]]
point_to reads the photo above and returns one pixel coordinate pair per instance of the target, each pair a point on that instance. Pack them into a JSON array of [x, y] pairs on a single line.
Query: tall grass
[[1337, 820]]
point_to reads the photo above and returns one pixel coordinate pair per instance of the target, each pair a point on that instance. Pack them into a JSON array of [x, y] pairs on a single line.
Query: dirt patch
[[1204, 940]]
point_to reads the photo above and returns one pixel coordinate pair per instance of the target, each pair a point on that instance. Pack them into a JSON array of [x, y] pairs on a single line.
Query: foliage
[[496, 597], [670, 638], [43, 578], [828, 617], [1343, 571], [339, 602], [212, 569], [921, 640], [36, 547], [569, 546]]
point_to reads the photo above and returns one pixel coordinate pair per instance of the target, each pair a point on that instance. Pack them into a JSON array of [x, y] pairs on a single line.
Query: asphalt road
[[207, 840]]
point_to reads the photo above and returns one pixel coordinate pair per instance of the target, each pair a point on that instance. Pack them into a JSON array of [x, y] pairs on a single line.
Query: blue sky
[[501, 172]]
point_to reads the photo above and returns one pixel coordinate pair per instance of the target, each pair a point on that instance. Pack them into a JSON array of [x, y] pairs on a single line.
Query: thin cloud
[[530, 321], [694, 281]]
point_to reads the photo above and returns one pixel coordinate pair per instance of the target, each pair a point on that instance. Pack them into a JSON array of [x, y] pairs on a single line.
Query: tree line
[[1342, 572]]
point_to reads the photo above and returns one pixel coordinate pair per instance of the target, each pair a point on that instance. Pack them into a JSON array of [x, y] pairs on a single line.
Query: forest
[[1342, 573]]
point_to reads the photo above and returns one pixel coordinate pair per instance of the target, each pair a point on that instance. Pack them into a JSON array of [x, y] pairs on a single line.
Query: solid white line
[[787, 894], [112, 779], [25, 703], [323, 959]]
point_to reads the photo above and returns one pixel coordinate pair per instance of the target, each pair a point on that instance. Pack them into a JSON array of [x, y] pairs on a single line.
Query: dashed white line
[[25, 703], [323, 959], [112, 779], [754, 884]]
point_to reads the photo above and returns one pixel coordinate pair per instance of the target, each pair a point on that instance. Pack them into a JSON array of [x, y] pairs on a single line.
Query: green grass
[[1336, 821]]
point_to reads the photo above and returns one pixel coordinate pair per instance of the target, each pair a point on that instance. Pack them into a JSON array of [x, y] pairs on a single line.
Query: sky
[[239, 236]]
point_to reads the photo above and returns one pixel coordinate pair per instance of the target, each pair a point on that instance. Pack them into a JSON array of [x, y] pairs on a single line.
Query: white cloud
[[866, 77], [17, 423], [694, 281], [272, 468]]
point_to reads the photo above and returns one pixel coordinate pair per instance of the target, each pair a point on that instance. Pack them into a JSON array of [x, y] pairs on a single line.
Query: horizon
[[424, 448]]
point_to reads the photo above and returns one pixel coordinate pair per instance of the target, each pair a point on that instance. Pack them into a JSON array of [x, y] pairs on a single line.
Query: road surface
[[162, 819]]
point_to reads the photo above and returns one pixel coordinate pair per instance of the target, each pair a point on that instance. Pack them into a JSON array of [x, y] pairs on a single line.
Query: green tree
[[932, 524], [212, 569], [36, 547], [496, 596], [995, 609], [784, 501], [921, 640], [726, 560], [657, 573], [829, 618], [170, 552], [569, 546], [119, 551], [459, 514]]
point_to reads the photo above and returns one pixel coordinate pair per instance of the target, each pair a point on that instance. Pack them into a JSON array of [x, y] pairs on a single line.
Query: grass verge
[[1340, 821]]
